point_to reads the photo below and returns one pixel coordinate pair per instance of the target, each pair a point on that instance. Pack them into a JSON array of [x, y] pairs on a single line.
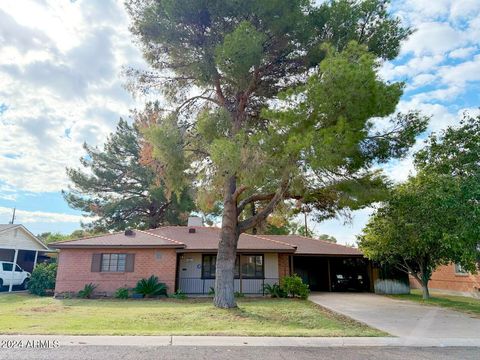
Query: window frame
[[118, 269], [238, 266]]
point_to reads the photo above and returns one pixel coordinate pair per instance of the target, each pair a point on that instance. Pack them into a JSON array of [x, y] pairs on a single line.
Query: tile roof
[[206, 239], [138, 238]]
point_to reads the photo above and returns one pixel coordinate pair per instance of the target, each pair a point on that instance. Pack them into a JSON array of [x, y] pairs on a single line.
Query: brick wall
[[74, 269], [283, 265], [445, 278]]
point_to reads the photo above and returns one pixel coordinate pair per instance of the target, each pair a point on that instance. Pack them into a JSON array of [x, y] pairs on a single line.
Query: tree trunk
[[227, 250], [425, 292]]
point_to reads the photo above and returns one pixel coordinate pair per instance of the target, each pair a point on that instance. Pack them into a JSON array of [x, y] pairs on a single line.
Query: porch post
[[13, 270], [329, 275], [35, 261]]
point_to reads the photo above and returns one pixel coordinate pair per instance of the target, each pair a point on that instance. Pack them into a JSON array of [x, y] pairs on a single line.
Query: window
[[251, 265], [7, 266], [208, 266], [459, 270], [18, 269], [113, 262]]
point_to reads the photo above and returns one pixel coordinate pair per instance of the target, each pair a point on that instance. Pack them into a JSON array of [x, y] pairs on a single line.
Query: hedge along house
[[184, 258], [20, 247]]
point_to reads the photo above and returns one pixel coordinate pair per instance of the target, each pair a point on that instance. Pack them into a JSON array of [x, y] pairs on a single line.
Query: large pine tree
[[119, 191], [271, 101]]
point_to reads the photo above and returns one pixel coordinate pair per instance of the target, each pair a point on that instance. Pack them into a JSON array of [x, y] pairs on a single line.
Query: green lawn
[[460, 303], [27, 314]]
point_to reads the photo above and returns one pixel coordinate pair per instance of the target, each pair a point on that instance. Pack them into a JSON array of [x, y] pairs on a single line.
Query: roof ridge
[[275, 241], [85, 238], [161, 237]]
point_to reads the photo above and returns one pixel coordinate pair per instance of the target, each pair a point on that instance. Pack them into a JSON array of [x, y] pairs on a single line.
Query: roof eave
[[99, 246]]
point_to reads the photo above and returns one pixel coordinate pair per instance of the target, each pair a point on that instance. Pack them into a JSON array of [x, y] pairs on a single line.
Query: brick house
[[452, 279], [184, 257]]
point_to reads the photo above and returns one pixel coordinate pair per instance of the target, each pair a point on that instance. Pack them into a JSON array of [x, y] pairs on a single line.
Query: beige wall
[[18, 238], [190, 265]]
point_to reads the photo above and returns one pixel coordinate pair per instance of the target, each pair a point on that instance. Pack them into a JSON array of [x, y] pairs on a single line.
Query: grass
[[28, 314], [460, 303]]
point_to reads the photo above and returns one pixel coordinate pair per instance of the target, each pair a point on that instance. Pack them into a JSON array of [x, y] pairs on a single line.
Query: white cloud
[[25, 217], [462, 53], [462, 73], [434, 38], [60, 74]]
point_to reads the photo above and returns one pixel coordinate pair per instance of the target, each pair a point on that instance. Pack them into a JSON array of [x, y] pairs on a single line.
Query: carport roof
[[309, 246]]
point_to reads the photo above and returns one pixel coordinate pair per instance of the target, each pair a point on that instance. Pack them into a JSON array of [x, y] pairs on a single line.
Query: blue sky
[[61, 83]]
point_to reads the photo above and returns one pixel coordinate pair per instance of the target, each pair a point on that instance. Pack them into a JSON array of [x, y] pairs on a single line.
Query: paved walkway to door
[[400, 317]]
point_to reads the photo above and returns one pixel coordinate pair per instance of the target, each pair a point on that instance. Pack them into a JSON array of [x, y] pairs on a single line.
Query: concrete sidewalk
[[230, 341], [402, 318]]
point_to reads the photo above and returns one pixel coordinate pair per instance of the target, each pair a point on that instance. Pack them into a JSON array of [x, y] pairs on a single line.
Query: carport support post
[[35, 261], [13, 270]]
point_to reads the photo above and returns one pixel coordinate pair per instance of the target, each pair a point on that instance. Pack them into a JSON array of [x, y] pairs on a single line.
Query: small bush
[[87, 291], [275, 291], [239, 294], [211, 292], [150, 287], [179, 294], [294, 286], [42, 279], [121, 293]]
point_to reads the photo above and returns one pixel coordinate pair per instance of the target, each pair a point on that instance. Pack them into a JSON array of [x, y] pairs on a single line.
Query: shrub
[[179, 294], [121, 293], [294, 286], [150, 287], [87, 291], [275, 291], [211, 291], [42, 279], [239, 294]]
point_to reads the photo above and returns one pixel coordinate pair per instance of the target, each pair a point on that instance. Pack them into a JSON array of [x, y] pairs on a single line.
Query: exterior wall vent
[[128, 232], [191, 231]]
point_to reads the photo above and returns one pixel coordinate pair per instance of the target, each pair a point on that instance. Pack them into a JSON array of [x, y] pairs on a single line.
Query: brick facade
[[74, 269], [283, 265], [445, 278]]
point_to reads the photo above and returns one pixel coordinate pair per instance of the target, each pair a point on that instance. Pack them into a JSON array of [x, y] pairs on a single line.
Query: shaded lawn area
[[460, 303], [28, 314]]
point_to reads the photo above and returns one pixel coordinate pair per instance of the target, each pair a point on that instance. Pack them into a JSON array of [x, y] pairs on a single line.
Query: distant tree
[[434, 218], [270, 101], [48, 237], [118, 191], [326, 237]]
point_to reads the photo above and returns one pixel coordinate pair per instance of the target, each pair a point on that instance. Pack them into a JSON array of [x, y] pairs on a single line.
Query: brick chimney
[[194, 221]]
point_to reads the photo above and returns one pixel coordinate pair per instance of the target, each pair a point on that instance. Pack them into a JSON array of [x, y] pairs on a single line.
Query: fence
[[199, 286]]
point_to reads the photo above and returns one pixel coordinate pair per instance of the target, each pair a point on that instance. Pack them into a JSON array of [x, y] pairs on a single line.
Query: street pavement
[[239, 352]]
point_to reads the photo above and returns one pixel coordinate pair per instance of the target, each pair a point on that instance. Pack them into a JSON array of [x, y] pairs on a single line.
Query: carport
[[327, 266], [20, 246], [333, 273]]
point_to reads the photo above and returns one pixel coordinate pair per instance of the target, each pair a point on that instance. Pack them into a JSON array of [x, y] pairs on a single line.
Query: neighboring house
[[453, 279], [184, 258], [20, 250]]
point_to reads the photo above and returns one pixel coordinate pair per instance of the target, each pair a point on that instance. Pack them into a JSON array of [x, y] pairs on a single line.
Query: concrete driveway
[[401, 318]]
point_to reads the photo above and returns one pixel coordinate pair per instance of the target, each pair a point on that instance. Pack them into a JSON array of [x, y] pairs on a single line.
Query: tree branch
[[262, 215]]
